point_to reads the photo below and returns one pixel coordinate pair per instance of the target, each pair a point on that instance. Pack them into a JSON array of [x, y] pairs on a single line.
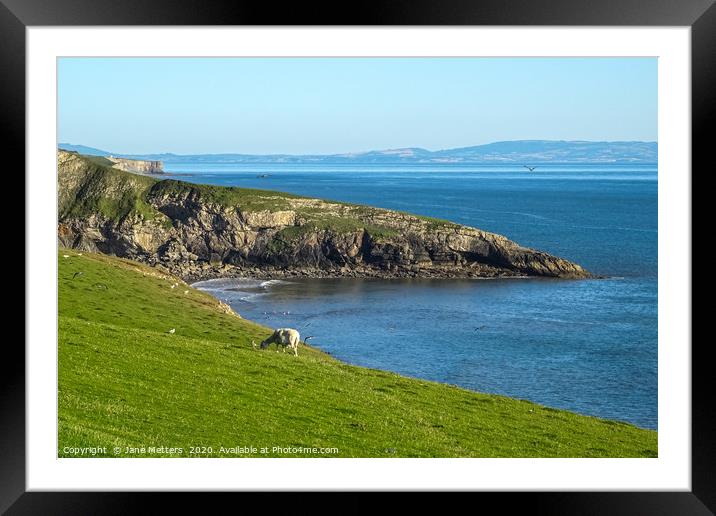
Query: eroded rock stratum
[[201, 231]]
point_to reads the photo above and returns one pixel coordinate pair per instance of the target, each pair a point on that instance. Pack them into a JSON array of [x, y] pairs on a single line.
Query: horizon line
[[360, 152]]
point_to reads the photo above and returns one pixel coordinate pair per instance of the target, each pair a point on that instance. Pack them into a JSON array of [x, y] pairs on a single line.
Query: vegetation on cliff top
[[116, 194], [125, 380], [94, 188]]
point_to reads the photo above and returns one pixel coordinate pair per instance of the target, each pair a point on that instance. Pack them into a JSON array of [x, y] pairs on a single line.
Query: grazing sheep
[[283, 337]]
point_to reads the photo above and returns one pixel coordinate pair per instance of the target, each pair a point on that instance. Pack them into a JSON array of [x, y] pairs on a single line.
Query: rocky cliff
[[200, 231], [138, 166]]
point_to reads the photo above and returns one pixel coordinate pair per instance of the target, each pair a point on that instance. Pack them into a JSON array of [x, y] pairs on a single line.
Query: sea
[[588, 346]]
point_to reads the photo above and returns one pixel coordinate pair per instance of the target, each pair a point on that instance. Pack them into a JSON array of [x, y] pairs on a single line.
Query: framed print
[[421, 249]]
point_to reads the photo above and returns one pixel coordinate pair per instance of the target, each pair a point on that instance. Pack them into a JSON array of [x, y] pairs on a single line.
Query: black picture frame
[[700, 15]]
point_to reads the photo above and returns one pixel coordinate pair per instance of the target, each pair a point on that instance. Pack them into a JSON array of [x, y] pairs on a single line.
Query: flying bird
[[172, 331], [531, 169], [478, 328]]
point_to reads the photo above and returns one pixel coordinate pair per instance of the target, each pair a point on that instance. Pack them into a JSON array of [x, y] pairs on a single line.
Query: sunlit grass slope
[[126, 381]]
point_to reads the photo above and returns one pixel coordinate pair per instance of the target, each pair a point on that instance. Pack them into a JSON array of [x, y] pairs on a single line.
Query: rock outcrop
[[138, 166], [199, 231]]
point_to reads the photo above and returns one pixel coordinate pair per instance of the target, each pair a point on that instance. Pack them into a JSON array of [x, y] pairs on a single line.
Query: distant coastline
[[521, 152]]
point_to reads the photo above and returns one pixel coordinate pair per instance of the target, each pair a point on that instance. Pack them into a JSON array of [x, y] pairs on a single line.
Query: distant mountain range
[[518, 151]]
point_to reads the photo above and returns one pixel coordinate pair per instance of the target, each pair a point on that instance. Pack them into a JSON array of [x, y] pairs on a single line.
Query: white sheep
[[283, 337]]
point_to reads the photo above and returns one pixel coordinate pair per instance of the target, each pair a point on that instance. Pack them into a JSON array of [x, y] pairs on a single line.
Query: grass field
[[125, 381]]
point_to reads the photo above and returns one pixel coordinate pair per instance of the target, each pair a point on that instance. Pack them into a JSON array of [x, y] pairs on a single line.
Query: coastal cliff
[[138, 166], [201, 231]]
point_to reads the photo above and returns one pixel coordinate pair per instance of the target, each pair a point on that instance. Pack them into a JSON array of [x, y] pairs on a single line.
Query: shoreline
[[170, 296], [391, 371], [194, 273]]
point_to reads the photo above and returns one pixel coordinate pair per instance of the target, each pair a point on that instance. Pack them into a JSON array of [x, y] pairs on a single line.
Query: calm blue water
[[588, 346]]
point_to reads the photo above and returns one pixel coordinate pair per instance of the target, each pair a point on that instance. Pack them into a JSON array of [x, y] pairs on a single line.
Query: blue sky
[[333, 105]]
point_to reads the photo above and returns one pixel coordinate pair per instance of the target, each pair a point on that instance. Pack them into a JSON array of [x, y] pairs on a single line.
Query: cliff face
[[137, 165], [199, 231]]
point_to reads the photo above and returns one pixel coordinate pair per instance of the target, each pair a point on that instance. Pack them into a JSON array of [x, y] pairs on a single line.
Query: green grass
[[125, 381], [335, 224], [248, 199], [99, 189]]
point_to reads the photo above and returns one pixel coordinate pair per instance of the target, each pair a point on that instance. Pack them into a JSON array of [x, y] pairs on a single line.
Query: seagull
[[172, 331], [531, 169], [78, 273]]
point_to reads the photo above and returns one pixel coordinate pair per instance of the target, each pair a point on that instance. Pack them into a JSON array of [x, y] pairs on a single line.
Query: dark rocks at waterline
[[201, 271]]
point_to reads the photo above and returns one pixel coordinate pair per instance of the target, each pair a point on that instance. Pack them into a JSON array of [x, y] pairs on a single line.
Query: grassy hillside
[[124, 380], [89, 185]]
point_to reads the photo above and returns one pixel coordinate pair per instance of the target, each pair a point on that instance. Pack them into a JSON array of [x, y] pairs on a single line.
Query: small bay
[[589, 346]]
